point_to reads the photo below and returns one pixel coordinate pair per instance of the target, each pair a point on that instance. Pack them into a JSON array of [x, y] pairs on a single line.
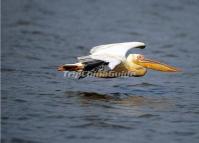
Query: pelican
[[111, 61]]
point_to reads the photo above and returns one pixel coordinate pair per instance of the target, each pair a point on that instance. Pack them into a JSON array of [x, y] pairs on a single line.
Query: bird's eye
[[140, 57]]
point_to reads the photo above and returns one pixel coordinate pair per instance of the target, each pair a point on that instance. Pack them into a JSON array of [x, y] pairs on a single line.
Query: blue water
[[40, 105]]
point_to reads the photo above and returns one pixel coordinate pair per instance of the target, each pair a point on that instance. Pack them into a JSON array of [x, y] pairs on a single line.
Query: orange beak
[[155, 65]]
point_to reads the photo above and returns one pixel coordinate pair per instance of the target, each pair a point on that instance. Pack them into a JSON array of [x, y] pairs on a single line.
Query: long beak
[[158, 66]]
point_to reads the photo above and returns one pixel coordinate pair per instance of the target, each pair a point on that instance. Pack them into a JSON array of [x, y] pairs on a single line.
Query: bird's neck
[[136, 69], [132, 66]]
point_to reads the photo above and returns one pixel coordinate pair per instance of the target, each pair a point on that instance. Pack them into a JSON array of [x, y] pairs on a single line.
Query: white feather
[[116, 49], [114, 53]]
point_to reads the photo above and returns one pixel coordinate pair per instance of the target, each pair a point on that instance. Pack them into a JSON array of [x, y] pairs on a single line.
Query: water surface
[[39, 105]]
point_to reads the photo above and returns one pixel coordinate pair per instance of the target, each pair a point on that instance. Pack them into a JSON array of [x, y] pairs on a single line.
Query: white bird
[[108, 61]]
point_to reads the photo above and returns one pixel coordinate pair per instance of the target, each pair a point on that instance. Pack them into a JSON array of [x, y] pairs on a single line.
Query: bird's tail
[[71, 67]]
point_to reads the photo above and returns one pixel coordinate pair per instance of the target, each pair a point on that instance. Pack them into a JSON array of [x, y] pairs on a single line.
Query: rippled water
[[39, 105]]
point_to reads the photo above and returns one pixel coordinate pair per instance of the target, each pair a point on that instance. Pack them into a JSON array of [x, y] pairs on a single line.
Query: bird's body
[[110, 61]]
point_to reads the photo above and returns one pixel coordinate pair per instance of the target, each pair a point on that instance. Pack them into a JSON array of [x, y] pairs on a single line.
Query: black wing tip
[[141, 47]]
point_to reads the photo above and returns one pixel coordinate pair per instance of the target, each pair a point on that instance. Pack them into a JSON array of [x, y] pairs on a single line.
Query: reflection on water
[[117, 111], [124, 104], [149, 102]]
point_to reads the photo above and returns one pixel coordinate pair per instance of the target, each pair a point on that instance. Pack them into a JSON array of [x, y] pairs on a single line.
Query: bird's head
[[140, 60]]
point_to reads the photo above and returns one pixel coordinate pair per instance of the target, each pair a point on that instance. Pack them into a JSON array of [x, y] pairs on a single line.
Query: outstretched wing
[[118, 50], [112, 54]]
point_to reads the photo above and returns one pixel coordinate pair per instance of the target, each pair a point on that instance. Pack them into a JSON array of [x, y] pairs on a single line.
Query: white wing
[[116, 49], [114, 54]]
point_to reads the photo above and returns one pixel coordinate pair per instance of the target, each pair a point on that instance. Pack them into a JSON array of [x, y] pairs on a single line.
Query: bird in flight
[[111, 61]]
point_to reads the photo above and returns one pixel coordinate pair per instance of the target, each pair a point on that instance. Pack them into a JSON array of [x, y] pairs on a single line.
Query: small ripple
[[167, 46], [134, 33], [29, 57], [30, 115], [22, 118], [147, 116], [102, 125], [8, 70], [56, 116], [181, 133], [184, 50], [4, 118], [71, 137], [156, 51], [181, 106], [49, 67], [170, 55], [143, 84], [46, 94], [81, 47], [20, 140], [82, 137], [54, 82], [181, 35], [90, 137], [22, 23], [20, 100]]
